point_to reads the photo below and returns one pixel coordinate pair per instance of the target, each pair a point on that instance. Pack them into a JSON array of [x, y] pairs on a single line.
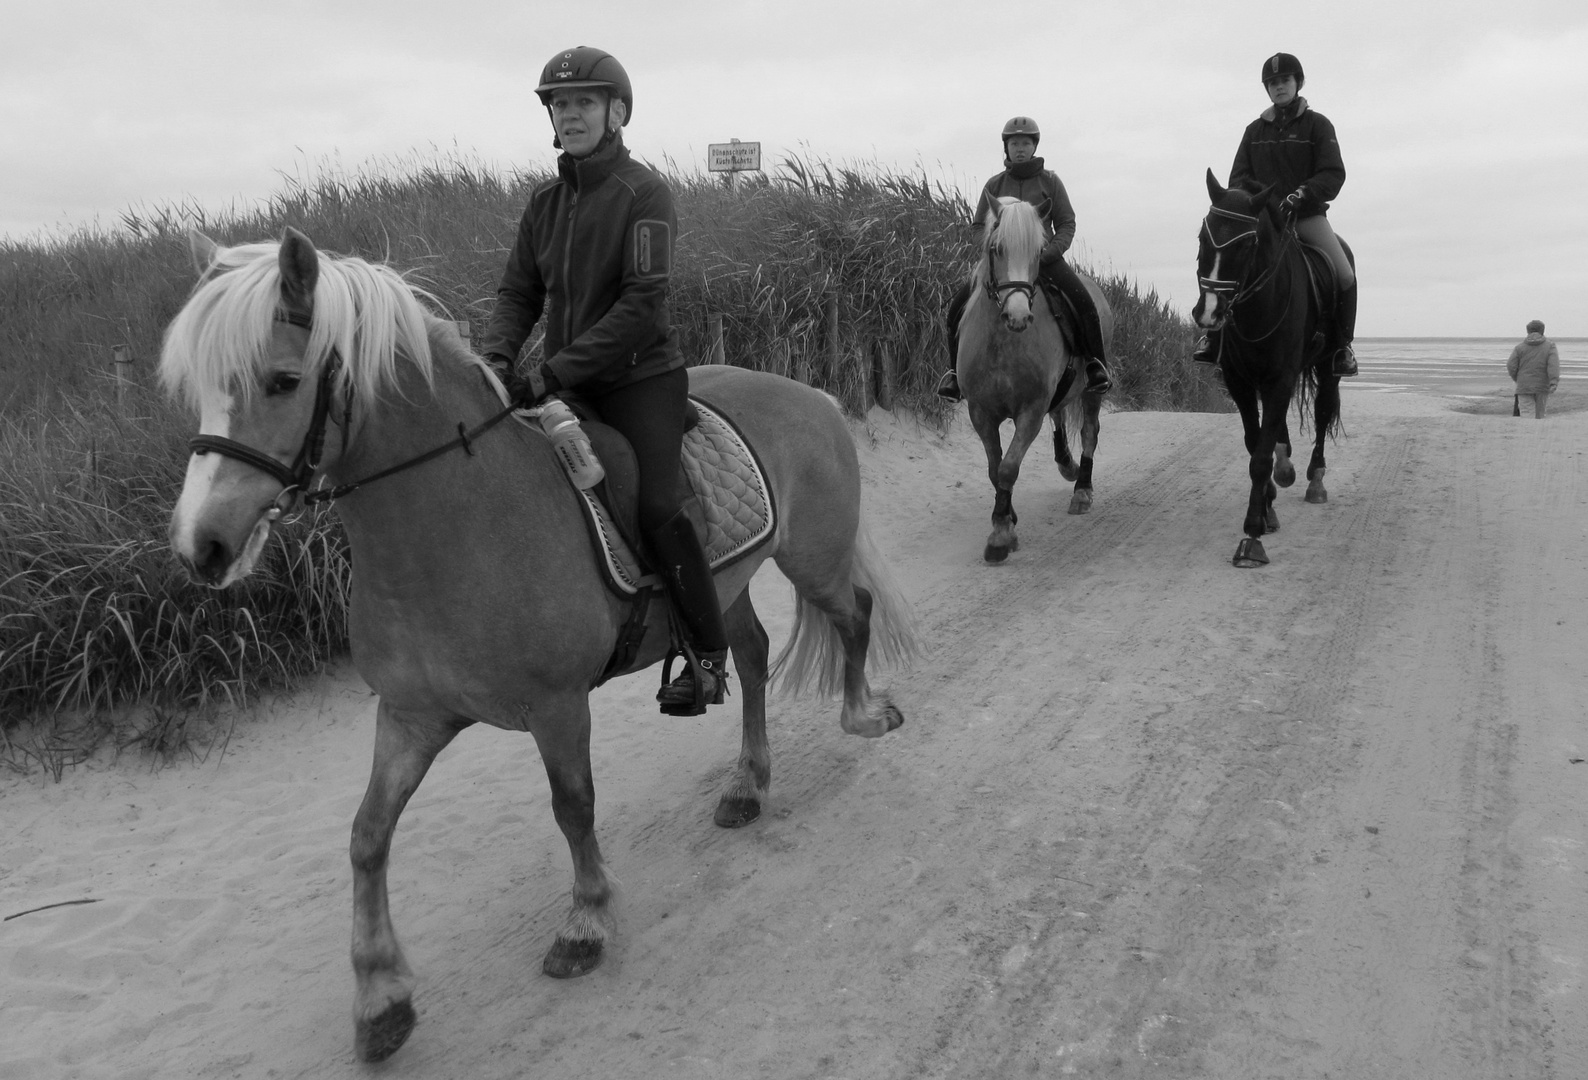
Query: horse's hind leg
[[1091, 425], [1061, 448], [741, 803], [863, 714], [1326, 415], [405, 745], [564, 742], [1284, 471]]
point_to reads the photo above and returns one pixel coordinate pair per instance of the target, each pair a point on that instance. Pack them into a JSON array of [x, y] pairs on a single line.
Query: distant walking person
[[1535, 365], [1293, 148]]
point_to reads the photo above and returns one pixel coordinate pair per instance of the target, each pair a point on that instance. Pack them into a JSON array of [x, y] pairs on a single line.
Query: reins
[[295, 477]]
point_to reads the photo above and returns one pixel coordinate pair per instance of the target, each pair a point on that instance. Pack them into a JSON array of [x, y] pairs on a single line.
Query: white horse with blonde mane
[[476, 594], [1013, 364]]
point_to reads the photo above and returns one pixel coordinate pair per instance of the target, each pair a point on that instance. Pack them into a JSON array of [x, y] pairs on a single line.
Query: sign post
[[733, 157]]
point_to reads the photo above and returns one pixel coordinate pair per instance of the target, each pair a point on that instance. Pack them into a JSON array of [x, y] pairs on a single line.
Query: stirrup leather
[[688, 694]]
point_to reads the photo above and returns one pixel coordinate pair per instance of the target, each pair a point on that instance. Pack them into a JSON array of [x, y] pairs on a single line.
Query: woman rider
[[594, 253], [1025, 178], [1294, 148]]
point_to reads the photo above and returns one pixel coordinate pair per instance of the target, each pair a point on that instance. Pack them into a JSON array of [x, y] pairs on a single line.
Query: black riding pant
[[1057, 274], [650, 415]]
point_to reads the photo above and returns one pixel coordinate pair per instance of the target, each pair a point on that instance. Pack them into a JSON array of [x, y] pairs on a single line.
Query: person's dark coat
[[1291, 148], [1535, 365], [1030, 182], [594, 253]]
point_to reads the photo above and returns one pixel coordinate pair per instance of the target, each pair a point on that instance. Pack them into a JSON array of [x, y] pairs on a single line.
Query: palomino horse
[[476, 596], [1255, 293], [1012, 363]]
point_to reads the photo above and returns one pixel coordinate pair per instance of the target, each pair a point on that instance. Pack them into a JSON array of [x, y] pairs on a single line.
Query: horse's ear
[[997, 208], [203, 250], [300, 269], [1215, 189]]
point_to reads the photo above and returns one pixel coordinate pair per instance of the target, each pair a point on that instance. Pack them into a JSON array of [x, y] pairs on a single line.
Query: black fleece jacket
[[594, 253]]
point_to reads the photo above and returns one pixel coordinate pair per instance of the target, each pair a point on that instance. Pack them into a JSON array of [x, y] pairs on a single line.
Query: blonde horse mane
[[219, 342], [1015, 226]]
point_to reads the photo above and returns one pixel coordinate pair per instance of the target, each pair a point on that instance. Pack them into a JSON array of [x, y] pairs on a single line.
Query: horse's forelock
[[218, 342], [1018, 227]]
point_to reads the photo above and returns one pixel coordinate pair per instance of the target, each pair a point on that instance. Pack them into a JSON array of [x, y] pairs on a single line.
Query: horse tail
[[814, 654]]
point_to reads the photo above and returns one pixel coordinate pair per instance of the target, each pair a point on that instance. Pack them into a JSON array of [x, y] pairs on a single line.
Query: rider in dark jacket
[[594, 253], [1025, 178], [1294, 148]]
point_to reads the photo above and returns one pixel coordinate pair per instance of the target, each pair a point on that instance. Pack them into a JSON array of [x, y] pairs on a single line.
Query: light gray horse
[[476, 595], [1012, 363]]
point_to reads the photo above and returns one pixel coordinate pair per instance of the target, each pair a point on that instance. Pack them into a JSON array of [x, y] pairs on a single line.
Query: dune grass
[[95, 617]]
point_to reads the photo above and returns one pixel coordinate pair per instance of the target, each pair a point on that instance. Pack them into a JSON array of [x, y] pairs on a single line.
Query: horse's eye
[[281, 382]]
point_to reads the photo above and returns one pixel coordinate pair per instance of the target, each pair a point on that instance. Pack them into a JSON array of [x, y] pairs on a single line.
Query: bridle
[[1233, 292], [998, 291], [295, 478]]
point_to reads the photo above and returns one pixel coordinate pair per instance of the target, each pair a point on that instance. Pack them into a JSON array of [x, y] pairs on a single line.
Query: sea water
[[1457, 367]]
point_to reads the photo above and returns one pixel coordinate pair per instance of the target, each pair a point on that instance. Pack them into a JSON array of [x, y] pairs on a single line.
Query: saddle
[[1323, 289], [730, 503], [1067, 317]]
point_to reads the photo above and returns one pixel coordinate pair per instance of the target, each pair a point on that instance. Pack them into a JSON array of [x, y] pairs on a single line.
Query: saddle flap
[[1065, 315], [1320, 279]]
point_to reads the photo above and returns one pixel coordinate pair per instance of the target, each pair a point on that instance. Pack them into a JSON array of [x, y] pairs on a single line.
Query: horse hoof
[[994, 555], [1249, 553], [1315, 492], [380, 1038], [1285, 475], [571, 959], [737, 811], [1271, 521], [1081, 502], [1069, 472], [1014, 543], [893, 717]]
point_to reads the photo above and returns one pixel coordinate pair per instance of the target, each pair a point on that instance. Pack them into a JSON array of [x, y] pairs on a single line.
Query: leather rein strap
[[295, 478]]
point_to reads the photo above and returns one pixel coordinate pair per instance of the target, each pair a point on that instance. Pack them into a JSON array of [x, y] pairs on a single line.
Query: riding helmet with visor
[[1281, 64], [585, 66], [1021, 125]]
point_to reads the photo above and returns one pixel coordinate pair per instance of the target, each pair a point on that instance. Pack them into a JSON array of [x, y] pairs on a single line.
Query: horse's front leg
[[1028, 425], [1002, 541], [741, 803], [1091, 425], [1260, 450], [562, 732], [405, 745]]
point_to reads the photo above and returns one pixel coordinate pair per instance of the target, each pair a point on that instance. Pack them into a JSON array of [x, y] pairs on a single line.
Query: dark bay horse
[[1255, 294], [1013, 364], [476, 595]]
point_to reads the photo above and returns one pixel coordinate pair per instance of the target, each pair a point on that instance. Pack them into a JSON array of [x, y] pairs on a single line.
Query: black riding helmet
[[585, 66], [1281, 64], [1021, 125]]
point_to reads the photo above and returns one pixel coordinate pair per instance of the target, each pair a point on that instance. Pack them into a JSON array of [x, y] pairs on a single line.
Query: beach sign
[[733, 156]]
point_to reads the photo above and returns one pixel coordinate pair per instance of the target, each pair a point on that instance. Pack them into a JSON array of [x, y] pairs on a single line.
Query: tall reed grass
[[94, 615]]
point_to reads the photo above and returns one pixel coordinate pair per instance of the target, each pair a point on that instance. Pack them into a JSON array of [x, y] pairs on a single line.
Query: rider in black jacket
[[1025, 178], [1294, 148], [594, 253]]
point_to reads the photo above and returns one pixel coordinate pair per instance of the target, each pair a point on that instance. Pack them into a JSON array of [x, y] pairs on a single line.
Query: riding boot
[[1345, 324], [682, 562]]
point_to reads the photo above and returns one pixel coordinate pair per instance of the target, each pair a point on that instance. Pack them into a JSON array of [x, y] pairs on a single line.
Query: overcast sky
[[1464, 125]]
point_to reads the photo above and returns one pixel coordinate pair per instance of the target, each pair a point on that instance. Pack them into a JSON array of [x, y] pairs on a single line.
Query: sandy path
[[1150, 816]]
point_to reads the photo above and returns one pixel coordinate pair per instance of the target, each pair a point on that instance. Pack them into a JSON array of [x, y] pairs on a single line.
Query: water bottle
[[571, 444]]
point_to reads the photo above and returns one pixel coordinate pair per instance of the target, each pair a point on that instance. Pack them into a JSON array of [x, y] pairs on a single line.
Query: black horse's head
[[1232, 244]]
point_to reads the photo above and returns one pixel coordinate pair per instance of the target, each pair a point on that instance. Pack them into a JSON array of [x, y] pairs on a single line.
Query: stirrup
[[1344, 362], [948, 386], [1205, 353], [704, 681]]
